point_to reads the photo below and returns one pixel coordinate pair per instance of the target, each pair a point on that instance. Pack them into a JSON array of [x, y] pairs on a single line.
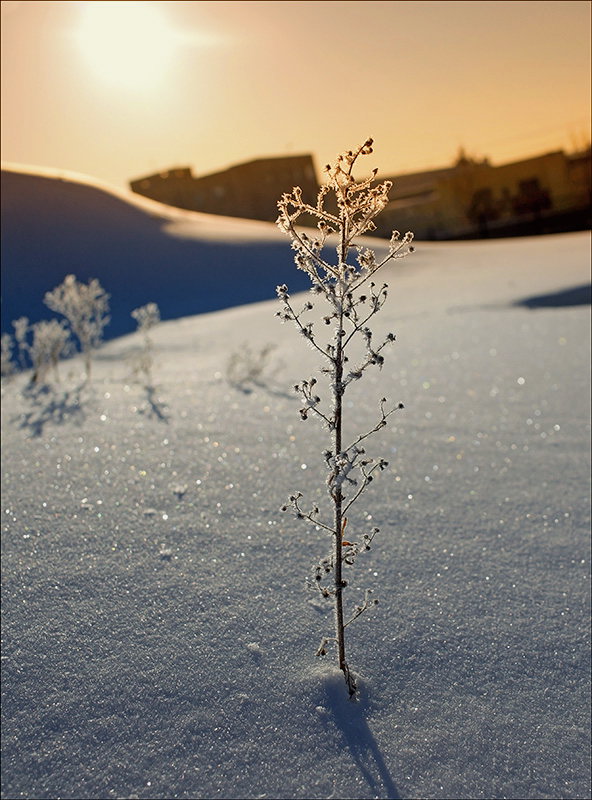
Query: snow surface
[[158, 637]]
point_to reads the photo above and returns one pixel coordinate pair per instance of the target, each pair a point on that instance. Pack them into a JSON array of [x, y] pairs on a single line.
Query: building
[[249, 190], [474, 199]]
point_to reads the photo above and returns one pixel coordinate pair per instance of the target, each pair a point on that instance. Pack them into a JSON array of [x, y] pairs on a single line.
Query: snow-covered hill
[[54, 224], [158, 638]]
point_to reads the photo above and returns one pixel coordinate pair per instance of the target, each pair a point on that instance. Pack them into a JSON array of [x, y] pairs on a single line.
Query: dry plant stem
[[338, 500], [339, 283], [337, 448]]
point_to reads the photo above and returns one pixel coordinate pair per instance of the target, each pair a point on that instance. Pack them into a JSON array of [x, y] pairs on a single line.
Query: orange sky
[[225, 82]]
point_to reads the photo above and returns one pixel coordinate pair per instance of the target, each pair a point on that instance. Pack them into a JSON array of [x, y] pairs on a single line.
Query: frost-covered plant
[[21, 328], [50, 343], [86, 307], [351, 299], [247, 366], [6, 363], [147, 317]]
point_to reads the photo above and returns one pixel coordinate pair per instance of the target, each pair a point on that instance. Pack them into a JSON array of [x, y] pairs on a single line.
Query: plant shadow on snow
[[154, 408], [267, 388], [49, 405], [349, 717], [249, 369]]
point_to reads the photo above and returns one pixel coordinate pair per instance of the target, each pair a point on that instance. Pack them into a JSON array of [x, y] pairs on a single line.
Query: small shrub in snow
[[147, 317], [50, 343], [6, 363], [351, 298], [21, 329], [86, 307]]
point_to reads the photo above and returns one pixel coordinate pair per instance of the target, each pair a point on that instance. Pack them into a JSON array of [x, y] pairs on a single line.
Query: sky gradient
[[209, 84]]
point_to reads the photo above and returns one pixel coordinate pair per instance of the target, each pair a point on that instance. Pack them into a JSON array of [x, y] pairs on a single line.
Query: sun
[[126, 44]]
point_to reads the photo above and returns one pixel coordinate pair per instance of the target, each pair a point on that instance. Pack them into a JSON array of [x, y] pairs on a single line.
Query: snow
[[158, 636], [55, 224]]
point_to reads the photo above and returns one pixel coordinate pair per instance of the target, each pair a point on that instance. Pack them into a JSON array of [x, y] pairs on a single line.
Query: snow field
[[158, 636]]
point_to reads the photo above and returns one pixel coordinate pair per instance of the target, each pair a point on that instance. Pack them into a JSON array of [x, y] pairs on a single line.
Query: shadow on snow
[[350, 719], [576, 296], [49, 405]]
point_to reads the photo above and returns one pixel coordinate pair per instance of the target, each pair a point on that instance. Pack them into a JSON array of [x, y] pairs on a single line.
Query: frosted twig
[[339, 285]]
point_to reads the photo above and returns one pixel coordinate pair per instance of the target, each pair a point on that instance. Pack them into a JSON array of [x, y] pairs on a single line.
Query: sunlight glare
[[129, 44]]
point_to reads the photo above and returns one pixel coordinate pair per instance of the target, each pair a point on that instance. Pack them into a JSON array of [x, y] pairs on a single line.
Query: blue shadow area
[[350, 719], [91, 233], [576, 296]]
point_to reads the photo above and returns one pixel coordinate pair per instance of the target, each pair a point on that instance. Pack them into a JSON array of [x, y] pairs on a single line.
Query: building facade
[[473, 199], [249, 190]]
